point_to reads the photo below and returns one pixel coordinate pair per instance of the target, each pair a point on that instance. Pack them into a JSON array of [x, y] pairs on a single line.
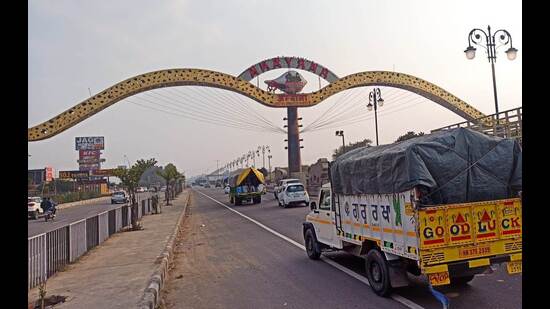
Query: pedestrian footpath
[[116, 273]]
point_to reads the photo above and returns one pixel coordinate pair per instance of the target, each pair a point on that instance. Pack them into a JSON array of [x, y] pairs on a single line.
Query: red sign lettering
[[288, 60], [276, 63], [264, 67], [312, 67], [252, 71], [324, 73], [301, 64]]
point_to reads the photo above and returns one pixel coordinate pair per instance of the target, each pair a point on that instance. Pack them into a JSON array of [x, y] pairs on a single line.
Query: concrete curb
[[151, 295]]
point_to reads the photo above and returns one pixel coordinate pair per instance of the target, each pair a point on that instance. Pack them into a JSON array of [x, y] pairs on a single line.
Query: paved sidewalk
[[115, 274]]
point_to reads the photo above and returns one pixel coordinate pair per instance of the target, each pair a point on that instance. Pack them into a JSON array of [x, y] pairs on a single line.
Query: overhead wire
[[243, 109], [346, 95], [369, 115], [238, 100], [187, 116], [345, 113], [362, 119], [205, 111], [199, 116], [356, 115]]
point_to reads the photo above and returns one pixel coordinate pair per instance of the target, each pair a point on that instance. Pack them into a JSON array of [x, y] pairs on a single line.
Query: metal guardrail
[[509, 124], [49, 252]]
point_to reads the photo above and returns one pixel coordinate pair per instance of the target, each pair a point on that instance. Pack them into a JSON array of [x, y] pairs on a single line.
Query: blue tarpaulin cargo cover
[[451, 166]]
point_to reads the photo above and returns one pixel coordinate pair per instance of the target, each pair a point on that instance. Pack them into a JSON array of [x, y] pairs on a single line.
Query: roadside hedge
[[74, 197]]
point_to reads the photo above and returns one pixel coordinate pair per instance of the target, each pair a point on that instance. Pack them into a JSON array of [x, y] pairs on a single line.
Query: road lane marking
[[400, 299]]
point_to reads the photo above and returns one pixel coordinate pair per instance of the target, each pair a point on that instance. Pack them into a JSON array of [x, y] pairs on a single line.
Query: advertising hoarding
[[49, 173], [89, 167], [103, 172], [73, 174], [90, 160], [90, 143]]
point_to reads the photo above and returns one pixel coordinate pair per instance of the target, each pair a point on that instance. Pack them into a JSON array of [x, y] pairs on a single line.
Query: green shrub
[[75, 196]]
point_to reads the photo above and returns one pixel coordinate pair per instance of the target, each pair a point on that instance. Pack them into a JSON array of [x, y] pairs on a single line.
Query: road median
[[151, 294]]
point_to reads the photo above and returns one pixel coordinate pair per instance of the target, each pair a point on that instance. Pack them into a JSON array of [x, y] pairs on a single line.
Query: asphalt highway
[[76, 213], [259, 269]]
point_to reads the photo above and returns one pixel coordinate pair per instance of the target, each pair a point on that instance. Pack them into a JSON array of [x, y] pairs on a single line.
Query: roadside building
[[317, 176]]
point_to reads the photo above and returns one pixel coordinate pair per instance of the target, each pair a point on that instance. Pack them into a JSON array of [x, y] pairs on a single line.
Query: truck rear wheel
[[460, 281], [257, 199], [312, 246], [231, 199], [238, 201], [378, 273]]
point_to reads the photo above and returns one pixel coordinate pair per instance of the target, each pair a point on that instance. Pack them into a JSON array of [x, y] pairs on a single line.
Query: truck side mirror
[[312, 206]]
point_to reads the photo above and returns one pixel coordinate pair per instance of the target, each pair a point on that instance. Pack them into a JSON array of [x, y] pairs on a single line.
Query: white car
[[33, 203], [226, 189], [293, 194], [280, 186], [119, 197]]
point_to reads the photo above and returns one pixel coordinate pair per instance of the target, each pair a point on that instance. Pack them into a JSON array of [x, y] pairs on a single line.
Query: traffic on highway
[[271, 238], [227, 154]]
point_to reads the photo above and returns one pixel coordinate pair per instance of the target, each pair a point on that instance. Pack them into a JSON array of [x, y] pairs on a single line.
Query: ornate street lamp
[[375, 99], [488, 41], [341, 133]]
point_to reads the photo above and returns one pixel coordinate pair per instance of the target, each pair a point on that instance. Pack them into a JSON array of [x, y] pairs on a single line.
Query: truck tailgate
[[467, 231]]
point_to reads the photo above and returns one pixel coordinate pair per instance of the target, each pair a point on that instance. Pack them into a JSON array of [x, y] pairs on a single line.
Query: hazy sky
[[76, 45]]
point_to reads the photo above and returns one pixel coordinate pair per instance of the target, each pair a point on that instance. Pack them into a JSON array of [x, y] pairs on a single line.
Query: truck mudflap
[[441, 274]]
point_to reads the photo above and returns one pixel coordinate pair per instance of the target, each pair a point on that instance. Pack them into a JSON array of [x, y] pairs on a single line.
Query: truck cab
[[322, 219]]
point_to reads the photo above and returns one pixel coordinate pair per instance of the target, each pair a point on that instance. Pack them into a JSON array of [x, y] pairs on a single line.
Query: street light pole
[[269, 156], [341, 133], [488, 41], [375, 99]]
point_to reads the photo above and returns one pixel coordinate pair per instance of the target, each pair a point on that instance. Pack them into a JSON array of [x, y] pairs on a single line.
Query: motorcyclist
[[49, 205], [44, 204]]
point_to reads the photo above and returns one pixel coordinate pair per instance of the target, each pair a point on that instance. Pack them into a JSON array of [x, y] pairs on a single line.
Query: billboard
[[88, 160], [73, 174], [89, 153], [89, 166], [104, 172], [49, 173], [90, 143]]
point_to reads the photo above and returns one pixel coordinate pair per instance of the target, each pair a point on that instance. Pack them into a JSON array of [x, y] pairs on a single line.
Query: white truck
[[400, 232]]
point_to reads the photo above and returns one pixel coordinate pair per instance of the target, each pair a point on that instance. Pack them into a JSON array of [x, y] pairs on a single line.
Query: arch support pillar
[[294, 158]]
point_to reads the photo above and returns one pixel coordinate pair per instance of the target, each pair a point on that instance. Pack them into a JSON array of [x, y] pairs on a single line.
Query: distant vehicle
[[141, 189], [244, 184], [33, 204], [218, 185], [163, 189], [293, 194], [227, 189], [119, 197], [207, 185], [281, 184]]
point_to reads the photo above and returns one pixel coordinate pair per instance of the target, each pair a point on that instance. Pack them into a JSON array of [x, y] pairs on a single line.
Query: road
[[233, 262], [72, 214]]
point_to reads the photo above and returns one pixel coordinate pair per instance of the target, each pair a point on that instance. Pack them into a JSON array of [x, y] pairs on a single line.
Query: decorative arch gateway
[[241, 84]]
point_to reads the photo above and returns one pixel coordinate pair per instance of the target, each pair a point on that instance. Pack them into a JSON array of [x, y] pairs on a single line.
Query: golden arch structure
[[207, 78], [241, 84]]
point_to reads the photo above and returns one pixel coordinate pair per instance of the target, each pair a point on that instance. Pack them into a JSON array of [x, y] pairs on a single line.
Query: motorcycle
[[50, 214]]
